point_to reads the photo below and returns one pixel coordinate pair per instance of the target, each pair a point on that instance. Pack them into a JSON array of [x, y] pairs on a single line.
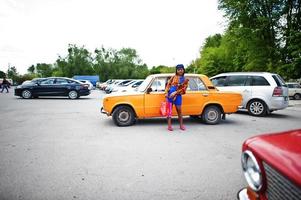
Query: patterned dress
[[179, 85]]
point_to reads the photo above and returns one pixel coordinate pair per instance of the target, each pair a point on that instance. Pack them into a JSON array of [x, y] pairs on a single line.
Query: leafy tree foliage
[[262, 36]]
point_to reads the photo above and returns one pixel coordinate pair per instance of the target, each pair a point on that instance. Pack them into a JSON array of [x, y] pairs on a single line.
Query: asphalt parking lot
[[56, 148]]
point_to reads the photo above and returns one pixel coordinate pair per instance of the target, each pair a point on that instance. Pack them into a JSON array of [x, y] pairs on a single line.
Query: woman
[[175, 88]]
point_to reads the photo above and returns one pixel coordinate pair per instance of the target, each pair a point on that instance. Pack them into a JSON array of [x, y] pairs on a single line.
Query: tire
[[26, 94], [124, 116], [212, 115], [297, 96], [257, 108], [73, 94]]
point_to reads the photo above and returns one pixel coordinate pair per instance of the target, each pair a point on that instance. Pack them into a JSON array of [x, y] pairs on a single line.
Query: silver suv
[[262, 92]]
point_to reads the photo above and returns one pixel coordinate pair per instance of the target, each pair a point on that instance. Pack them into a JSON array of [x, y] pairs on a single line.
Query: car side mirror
[[149, 90]]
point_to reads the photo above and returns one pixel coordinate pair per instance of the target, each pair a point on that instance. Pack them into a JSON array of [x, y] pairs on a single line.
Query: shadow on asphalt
[[273, 115], [187, 121], [54, 98]]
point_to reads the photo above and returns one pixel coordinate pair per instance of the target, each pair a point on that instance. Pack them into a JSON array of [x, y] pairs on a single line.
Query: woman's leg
[[179, 111], [169, 114]]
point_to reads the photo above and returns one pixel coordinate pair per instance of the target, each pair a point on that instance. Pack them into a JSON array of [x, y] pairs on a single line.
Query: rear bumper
[[84, 92], [278, 103]]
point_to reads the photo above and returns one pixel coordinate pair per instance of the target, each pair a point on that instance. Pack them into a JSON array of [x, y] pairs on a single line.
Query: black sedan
[[53, 86]]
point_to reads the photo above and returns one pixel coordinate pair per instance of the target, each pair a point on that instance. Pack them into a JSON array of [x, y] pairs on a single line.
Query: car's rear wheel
[[297, 96], [257, 108], [123, 116], [212, 115], [26, 94], [73, 94]]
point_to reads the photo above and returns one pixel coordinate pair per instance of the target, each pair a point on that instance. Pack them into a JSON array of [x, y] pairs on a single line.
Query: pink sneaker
[[170, 128], [183, 128]]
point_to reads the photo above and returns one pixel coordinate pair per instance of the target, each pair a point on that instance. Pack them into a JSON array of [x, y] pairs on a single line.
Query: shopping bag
[[163, 108]]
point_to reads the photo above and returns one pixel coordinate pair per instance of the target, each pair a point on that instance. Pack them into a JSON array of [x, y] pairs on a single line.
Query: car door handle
[[205, 95], [246, 90]]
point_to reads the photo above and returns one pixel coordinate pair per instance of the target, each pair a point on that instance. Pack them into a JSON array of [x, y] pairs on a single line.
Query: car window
[[137, 84], [290, 85], [219, 81], [259, 81], [279, 81], [296, 86], [144, 84], [49, 81], [61, 81], [159, 84], [236, 80], [195, 84], [123, 83]]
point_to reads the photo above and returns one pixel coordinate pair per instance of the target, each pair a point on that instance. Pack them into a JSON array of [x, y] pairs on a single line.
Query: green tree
[[12, 73], [79, 61], [2, 74], [44, 70], [31, 69], [162, 69], [124, 63]]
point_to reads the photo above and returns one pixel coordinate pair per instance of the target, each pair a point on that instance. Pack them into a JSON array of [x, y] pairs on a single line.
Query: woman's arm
[[182, 88], [168, 85]]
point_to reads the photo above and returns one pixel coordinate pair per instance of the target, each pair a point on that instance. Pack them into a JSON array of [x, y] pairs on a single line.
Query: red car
[[272, 166]]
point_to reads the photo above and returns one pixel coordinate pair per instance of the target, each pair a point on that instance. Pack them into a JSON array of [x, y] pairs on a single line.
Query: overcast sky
[[163, 32]]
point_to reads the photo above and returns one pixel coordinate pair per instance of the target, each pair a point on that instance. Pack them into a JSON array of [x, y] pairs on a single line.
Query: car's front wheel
[[297, 96], [73, 94], [212, 115], [123, 116], [257, 108], [26, 94]]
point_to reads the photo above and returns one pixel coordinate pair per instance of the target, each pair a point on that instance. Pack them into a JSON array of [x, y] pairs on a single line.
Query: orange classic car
[[202, 100]]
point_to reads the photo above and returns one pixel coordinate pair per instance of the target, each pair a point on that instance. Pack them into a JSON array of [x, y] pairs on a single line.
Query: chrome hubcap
[[72, 94], [212, 115], [123, 116], [256, 108], [26, 94]]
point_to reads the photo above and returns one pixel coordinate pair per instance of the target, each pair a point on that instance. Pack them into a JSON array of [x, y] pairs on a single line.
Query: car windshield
[[144, 84]]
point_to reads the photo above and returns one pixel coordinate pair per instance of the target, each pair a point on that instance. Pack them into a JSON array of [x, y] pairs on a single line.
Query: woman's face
[[180, 71]]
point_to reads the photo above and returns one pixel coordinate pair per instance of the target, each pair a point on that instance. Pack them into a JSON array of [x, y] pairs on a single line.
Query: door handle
[[246, 90], [205, 95]]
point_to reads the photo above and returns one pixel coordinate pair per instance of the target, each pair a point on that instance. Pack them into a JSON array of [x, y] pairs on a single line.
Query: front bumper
[[248, 194], [104, 112]]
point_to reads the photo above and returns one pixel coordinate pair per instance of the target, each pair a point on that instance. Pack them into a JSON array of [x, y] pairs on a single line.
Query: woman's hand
[[172, 95]]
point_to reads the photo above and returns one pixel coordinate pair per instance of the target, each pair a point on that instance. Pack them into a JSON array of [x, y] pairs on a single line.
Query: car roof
[[171, 74], [292, 83], [243, 73]]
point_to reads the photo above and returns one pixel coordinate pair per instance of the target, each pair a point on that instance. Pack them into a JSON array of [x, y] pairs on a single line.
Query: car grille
[[279, 187]]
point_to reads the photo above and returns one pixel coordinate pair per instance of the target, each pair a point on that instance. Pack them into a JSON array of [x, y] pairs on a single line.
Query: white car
[[88, 83], [294, 90], [130, 86], [262, 92]]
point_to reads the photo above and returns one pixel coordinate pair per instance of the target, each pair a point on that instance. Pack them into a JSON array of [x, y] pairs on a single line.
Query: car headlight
[[251, 170]]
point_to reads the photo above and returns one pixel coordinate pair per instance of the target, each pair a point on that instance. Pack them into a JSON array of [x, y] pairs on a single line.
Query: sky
[[164, 32]]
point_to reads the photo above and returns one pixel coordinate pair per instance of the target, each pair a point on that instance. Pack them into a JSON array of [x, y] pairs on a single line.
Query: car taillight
[[278, 92]]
